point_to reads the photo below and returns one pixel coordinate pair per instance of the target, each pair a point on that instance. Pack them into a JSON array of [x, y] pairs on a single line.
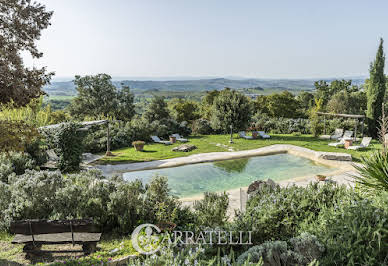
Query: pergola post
[[362, 127], [108, 153], [324, 124], [355, 129]]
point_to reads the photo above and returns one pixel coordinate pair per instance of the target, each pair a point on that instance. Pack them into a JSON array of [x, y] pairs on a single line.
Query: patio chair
[[243, 135], [337, 134], [263, 135], [347, 135], [336, 144], [179, 138], [364, 144], [156, 139]]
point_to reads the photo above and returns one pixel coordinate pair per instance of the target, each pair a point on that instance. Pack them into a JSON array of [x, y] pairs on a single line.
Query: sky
[[212, 38]]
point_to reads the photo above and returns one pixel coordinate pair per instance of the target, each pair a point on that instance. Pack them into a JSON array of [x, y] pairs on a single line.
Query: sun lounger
[[263, 135], [336, 144], [364, 144], [347, 135], [243, 135], [179, 138], [337, 134], [156, 139]]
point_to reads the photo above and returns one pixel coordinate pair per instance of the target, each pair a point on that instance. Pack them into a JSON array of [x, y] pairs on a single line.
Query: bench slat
[[54, 226], [57, 238]]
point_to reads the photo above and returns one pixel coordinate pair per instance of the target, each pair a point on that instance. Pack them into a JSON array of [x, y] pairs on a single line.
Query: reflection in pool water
[[189, 180]]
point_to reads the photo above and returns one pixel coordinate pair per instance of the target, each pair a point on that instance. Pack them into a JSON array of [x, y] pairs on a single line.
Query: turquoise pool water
[[194, 179]]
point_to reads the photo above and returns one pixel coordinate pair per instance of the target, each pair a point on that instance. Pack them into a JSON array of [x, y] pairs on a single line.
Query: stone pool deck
[[337, 160]]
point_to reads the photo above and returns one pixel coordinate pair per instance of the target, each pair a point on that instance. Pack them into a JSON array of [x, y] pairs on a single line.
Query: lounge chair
[[263, 135], [156, 139], [179, 138], [243, 135], [347, 135], [336, 144], [337, 134], [364, 144]]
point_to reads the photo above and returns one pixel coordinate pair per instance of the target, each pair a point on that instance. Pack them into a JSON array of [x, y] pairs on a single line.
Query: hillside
[[66, 88]]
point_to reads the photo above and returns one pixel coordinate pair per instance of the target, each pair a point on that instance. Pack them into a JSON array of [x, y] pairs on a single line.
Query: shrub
[[202, 126], [115, 205], [302, 250], [278, 214], [138, 142], [14, 163], [67, 141], [211, 211], [279, 125], [354, 231], [373, 173]]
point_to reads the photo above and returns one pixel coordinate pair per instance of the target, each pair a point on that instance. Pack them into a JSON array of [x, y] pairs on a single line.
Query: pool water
[[194, 179]]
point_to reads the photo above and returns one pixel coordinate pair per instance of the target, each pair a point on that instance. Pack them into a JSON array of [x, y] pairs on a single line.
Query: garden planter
[[172, 139], [321, 177], [139, 147]]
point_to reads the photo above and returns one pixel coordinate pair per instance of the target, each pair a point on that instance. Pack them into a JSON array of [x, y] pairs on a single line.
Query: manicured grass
[[208, 143]]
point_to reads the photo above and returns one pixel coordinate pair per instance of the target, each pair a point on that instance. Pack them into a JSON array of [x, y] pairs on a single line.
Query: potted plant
[[138, 144], [321, 177], [172, 139]]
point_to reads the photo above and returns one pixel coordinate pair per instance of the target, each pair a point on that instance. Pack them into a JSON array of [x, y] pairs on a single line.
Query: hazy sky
[[261, 39]]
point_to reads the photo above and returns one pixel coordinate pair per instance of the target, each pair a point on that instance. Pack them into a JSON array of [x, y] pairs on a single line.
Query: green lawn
[[208, 143]]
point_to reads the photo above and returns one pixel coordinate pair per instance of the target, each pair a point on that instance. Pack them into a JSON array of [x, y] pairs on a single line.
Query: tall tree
[[157, 110], [98, 97], [231, 108], [21, 23], [376, 90]]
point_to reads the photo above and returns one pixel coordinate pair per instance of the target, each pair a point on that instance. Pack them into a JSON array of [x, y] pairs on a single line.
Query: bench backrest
[[35, 227]]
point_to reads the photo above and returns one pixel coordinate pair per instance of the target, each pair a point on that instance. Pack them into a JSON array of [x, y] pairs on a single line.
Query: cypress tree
[[376, 90]]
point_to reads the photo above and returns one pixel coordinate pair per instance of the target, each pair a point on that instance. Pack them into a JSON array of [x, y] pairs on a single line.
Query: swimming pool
[[194, 179]]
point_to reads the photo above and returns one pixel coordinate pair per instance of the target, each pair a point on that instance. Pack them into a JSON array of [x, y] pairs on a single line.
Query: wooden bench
[[35, 233]]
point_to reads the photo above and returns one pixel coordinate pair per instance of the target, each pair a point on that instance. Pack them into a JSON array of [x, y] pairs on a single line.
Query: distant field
[[58, 98]]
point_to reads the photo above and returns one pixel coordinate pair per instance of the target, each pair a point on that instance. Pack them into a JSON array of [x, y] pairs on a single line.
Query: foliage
[[114, 204], [189, 256], [231, 108], [98, 97], [123, 134], [354, 231], [211, 211], [21, 26], [344, 102], [325, 90], [376, 90], [207, 104], [202, 126], [373, 172], [306, 101], [156, 110], [184, 110], [315, 123], [16, 135], [33, 113], [283, 105], [280, 125], [278, 214], [14, 163], [67, 142], [302, 250]]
